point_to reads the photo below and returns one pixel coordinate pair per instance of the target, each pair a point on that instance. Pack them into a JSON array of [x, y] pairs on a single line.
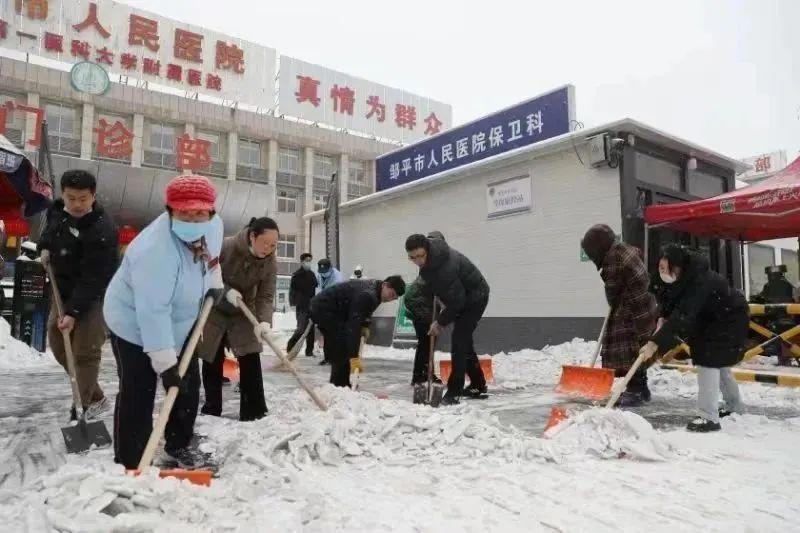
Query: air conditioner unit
[[598, 150]]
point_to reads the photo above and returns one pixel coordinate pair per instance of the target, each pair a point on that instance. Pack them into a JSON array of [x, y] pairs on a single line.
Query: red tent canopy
[[768, 210]]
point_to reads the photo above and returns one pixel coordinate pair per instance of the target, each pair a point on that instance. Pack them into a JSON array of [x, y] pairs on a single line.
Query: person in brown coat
[[632, 307], [248, 266]]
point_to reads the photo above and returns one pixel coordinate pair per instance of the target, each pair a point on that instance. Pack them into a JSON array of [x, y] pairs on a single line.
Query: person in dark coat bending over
[[703, 310], [632, 308], [464, 293], [343, 312]]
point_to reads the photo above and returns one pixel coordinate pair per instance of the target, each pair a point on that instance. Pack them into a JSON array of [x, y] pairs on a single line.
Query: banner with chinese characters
[[524, 124], [314, 93], [141, 45], [764, 165]]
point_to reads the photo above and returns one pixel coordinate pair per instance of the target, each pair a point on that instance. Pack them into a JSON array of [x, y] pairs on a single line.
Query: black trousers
[[464, 359], [133, 411], [252, 404], [420, 372], [335, 348], [303, 315]]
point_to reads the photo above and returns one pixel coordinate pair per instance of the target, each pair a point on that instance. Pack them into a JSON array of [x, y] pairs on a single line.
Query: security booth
[[765, 211], [515, 191]]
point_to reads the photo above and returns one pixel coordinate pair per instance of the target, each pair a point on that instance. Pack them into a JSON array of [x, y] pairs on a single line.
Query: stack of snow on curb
[[15, 354]]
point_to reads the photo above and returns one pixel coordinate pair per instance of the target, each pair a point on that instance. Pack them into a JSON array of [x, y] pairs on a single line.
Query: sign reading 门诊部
[[314, 93], [141, 45], [521, 125]]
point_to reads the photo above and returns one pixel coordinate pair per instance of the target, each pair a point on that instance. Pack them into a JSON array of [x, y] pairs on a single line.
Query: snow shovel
[[293, 353], [283, 357], [432, 394], [198, 477], [587, 381], [78, 438]]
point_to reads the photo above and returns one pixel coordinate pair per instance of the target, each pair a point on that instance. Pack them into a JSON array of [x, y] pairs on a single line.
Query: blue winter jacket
[[156, 295], [334, 278]]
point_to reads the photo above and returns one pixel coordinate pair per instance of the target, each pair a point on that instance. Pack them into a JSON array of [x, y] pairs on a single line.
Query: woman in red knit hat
[[150, 307]]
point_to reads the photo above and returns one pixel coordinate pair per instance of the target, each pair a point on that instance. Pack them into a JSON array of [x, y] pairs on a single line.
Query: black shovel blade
[[83, 435], [420, 393], [437, 391]]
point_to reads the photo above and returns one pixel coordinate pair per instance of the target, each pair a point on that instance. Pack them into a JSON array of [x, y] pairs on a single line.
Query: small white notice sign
[[509, 197]]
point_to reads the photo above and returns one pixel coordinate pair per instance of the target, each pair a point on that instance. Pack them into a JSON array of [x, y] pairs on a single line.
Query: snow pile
[[517, 370], [609, 433], [360, 425], [15, 354]]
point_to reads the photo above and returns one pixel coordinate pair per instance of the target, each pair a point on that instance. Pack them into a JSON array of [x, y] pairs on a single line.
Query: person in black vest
[[79, 242], [301, 291], [343, 314], [464, 294]]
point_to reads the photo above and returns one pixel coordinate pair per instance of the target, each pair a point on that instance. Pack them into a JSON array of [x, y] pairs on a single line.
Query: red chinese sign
[[763, 164], [229, 57], [193, 153], [114, 141], [143, 31], [188, 46], [343, 99], [92, 21], [307, 90], [433, 124], [10, 107], [405, 116], [376, 108], [33, 9]]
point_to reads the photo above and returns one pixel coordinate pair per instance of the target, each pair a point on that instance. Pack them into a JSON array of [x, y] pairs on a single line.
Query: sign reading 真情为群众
[[521, 125], [509, 197], [141, 45]]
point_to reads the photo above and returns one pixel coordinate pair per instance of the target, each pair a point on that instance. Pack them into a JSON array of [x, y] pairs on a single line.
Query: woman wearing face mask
[[699, 306], [249, 272], [150, 308]]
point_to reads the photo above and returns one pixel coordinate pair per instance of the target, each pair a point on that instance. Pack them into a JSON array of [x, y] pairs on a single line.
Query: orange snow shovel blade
[[557, 414], [197, 477], [230, 369], [590, 383], [446, 367]]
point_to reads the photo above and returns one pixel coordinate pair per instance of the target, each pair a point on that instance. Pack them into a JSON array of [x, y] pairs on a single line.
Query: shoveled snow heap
[[15, 354]]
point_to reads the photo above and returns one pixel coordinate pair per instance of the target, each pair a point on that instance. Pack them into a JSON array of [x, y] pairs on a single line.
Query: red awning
[[768, 210]]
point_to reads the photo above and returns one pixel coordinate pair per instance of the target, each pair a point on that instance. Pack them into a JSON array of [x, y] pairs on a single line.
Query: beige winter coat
[[255, 279]]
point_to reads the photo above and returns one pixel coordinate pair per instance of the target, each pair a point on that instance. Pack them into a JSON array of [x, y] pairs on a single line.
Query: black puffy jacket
[[347, 307], [702, 309], [454, 280], [302, 289], [83, 255]]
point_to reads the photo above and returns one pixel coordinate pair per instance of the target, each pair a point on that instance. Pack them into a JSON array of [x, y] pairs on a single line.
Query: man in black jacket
[[302, 289], [80, 244], [343, 312], [464, 293]]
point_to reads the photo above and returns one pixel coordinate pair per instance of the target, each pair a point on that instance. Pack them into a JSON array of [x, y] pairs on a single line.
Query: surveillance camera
[[616, 141]]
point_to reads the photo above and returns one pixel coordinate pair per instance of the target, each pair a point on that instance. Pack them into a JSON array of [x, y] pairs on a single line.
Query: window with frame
[[324, 165], [286, 246], [320, 199], [656, 171], [704, 185], [759, 257], [217, 149], [358, 172], [160, 145], [287, 201], [789, 258], [289, 160], [15, 120], [63, 128], [249, 153]]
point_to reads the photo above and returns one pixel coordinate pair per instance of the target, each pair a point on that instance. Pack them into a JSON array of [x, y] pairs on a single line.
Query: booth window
[[704, 185], [789, 258], [759, 257], [657, 171]]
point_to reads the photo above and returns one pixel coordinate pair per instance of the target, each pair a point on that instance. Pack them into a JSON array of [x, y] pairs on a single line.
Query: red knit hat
[[187, 193]]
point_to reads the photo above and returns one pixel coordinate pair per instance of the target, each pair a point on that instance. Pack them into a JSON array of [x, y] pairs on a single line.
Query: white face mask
[[669, 279]]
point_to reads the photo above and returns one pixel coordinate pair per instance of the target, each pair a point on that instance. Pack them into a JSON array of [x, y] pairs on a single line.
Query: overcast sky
[[724, 74]]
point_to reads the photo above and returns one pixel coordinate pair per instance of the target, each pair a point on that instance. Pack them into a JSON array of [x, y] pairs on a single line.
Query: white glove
[[44, 257], [263, 330], [161, 360], [233, 296]]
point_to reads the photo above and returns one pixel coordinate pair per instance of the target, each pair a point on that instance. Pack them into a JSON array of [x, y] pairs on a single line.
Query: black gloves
[[170, 378]]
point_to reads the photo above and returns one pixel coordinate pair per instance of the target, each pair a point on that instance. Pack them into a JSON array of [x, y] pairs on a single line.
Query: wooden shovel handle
[[73, 381]]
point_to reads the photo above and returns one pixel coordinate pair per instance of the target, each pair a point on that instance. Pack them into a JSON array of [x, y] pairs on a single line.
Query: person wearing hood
[[250, 272], [358, 273], [704, 311], [632, 310], [79, 242], [464, 295], [343, 313], [327, 275], [301, 290], [151, 307]]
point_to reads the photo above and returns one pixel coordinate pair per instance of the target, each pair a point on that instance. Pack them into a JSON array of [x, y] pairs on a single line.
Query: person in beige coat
[[249, 267]]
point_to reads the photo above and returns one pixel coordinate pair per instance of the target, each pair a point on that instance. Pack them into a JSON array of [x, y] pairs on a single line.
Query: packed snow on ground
[[387, 465], [15, 354]]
